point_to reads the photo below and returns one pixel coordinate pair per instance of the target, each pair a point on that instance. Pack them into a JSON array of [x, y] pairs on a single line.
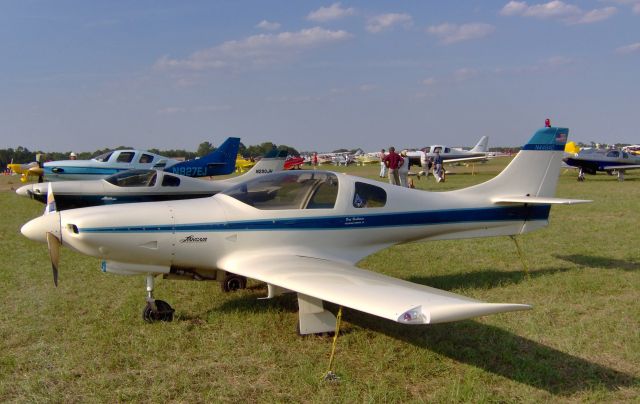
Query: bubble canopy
[[288, 190]]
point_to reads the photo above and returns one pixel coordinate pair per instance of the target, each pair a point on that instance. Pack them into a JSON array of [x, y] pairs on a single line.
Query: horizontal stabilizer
[[370, 292], [536, 200]]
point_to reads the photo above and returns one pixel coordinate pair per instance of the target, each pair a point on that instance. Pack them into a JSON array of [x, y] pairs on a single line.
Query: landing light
[[412, 316]]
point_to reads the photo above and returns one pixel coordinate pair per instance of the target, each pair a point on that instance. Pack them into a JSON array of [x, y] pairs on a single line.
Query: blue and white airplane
[[219, 162], [591, 161], [143, 186], [303, 232]]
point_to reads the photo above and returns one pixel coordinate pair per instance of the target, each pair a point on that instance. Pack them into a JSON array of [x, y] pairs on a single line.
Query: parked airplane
[[243, 164], [591, 161], [143, 186], [304, 231], [293, 163], [26, 170], [451, 154], [219, 162]]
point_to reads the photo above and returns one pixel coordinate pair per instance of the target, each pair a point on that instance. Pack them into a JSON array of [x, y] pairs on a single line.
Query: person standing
[[425, 164], [403, 170], [438, 171], [393, 161], [315, 160], [383, 166]]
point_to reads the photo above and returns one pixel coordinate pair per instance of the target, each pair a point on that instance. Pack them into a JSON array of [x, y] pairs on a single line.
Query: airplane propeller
[[53, 242], [54, 253]]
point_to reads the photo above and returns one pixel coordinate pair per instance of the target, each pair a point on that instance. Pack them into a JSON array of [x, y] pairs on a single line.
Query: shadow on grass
[[503, 353], [482, 279], [600, 262], [484, 346]]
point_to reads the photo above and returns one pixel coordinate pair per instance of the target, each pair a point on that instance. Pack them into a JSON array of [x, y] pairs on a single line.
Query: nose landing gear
[[156, 310]]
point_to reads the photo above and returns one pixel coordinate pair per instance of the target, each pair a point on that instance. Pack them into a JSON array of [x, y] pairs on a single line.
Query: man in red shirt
[[393, 161]]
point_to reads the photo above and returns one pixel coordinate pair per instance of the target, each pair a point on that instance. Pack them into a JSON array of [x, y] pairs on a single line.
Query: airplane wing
[[536, 200], [370, 292], [621, 168], [464, 159]]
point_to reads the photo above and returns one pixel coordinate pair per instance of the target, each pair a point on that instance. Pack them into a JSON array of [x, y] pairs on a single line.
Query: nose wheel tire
[[232, 282], [158, 310]]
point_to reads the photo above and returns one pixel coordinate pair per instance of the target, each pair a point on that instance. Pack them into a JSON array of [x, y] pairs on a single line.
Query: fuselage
[[593, 160], [104, 165], [332, 216]]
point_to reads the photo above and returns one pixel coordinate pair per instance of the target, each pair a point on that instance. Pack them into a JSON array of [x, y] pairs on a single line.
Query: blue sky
[[84, 75]]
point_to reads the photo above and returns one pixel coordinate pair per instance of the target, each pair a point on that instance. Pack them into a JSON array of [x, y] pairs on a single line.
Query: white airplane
[[450, 154], [219, 162], [304, 231], [143, 186]]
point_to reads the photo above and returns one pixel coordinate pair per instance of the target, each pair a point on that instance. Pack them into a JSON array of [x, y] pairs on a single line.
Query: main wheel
[[233, 282]]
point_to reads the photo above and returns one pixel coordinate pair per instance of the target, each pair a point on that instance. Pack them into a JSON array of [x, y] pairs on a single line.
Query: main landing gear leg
[[155, 310], [312, 316]]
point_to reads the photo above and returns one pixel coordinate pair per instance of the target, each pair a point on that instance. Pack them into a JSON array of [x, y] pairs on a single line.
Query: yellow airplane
[[572, 148], [243, 164], [26, 170]]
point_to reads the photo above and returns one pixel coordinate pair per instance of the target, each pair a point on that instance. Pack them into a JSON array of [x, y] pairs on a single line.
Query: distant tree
[[204, 148], [290, 150], [341, 151], [242, 149]]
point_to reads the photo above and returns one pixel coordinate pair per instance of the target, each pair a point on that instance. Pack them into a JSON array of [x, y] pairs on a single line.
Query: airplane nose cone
[[24, 190], [38, 228]]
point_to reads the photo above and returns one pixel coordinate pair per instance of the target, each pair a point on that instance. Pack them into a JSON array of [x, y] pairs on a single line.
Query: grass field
[[85, 340]]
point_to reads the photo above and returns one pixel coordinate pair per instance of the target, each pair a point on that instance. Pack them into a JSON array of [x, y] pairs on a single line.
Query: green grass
[[85, 340]]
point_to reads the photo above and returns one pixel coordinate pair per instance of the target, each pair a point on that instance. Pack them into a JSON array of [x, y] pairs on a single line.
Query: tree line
[[24, 155]]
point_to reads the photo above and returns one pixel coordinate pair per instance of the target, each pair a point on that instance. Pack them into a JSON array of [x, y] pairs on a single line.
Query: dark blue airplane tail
[[222, 161]]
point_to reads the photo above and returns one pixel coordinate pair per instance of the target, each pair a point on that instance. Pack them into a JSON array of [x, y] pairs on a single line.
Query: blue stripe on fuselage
[[68, 170], [494, 214]]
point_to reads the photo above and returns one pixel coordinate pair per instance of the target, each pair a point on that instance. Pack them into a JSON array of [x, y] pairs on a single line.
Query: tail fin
[[533, 172], [482, 146], [272, 162], [222, 161], [51, 201]]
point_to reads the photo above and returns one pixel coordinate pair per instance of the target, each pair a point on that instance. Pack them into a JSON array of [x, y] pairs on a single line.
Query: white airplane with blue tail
[[304, 231], [219, 162]]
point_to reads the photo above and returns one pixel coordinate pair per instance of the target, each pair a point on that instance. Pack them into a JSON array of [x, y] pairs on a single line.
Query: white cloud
[[384, 22], [627, 49], [268, 25], [367, 87], [514, 8], [556, 9], [451, 33], [465, 73], [634, 4], [429, 81], [596, 15], [333, 12], [255, 50]]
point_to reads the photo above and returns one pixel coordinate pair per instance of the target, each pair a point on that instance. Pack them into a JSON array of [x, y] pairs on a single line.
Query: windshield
[[304, 190], [104, 157], [133, 178]]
